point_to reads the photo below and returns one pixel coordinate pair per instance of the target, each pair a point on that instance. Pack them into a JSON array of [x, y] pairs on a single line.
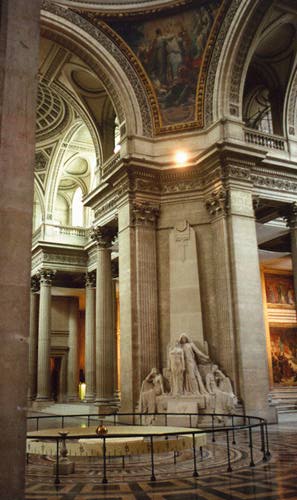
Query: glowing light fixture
[[181, 158], [117, 148]]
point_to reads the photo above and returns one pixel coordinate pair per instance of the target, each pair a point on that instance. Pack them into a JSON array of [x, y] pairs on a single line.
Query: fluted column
[[145, 216], [90, 345], [72, 368], [33, 339], [115, 340], [44, 332], [292, 224], [104, 316]]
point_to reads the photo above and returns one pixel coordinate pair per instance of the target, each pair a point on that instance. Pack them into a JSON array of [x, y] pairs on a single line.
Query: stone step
[[67, 409]]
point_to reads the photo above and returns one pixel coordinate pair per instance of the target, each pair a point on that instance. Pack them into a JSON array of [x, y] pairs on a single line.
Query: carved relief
[[218, 203]]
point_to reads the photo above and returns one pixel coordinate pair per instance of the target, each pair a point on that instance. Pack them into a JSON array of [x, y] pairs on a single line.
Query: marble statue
[[177, 368], [151, 387], [220, 389], [193, 383]]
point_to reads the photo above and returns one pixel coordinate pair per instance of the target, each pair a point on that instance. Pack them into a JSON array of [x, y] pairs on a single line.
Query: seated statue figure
[[220, 388], [151, 387]]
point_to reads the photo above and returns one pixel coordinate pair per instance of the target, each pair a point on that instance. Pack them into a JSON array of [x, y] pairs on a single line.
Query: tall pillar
[[249, 327], [221, 336], [292, 224], [72, 368], [115, 339], [104, 317], [145, 216], [44, 333], [33, 339], [19, 43], [90, 337]]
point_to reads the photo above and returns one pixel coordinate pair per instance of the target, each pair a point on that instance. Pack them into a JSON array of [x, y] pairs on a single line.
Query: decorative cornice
[[118, 9], [218, 203], [145, 214]]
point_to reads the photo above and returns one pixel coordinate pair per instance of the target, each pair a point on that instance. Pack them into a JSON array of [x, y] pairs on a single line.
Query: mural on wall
[[279, 289], [171, 51], [283, 341]]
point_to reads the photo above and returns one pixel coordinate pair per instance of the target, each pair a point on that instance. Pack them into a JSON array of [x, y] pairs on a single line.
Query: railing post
[[213, 432], [153, 477], [263, 449], [252, 463], [57, 479], [229, 469], [233, 431], [104, 479], [267, 441], [195, 472]]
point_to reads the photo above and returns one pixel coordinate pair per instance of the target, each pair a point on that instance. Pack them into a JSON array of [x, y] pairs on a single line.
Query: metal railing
[[236, 424]]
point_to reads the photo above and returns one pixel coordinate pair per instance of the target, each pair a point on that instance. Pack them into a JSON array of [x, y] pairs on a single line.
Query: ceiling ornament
[[51, 112]]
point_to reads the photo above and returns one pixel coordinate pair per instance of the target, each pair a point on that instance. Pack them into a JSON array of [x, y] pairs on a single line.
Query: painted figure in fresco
[[158, 57], [177, 368], [193, 383], [151, 387]]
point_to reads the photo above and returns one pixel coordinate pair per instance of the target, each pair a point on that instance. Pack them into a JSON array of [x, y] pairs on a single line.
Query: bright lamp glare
[[181, 157], [117, 148]]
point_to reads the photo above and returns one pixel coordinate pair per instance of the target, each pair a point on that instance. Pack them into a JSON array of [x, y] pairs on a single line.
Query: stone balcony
[[258, 138], [60, 235]]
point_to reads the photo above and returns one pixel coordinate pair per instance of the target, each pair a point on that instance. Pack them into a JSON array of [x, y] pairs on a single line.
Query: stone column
[[72, 368], [292, 224], [115, 339], [19, 43], [90, 344], [104, 316], [145, 216], [33, 339], [220, 313], [44, 336], [250, 337]]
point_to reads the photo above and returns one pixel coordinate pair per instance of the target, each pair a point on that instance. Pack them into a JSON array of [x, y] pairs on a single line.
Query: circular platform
[[121, 440]]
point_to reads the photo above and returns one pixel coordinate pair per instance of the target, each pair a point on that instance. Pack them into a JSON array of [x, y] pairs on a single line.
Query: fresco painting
[[283, 341], [279, 289], [171, 51]]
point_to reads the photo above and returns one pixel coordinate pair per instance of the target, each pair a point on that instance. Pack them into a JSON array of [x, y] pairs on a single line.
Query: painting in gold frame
[[279, 290], [283, 343]]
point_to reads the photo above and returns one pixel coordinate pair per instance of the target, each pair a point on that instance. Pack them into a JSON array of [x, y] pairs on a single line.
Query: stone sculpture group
[[191, 374]]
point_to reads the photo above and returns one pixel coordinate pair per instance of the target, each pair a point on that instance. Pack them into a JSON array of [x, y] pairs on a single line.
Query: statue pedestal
[[183, 405]]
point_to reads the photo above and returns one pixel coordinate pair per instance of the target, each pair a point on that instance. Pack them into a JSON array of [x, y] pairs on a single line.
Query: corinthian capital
[[103, 236], [217, 203], [145, 213], [90, 279], [35, 284], [46, 276], [291, 216]]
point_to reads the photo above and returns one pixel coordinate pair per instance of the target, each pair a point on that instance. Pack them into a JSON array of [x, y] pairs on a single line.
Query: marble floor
[[272, 480]]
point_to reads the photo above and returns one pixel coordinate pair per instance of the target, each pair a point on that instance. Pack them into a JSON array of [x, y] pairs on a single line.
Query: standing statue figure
[[193, 383], [151, 387], [177, 368], [219, 386]]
